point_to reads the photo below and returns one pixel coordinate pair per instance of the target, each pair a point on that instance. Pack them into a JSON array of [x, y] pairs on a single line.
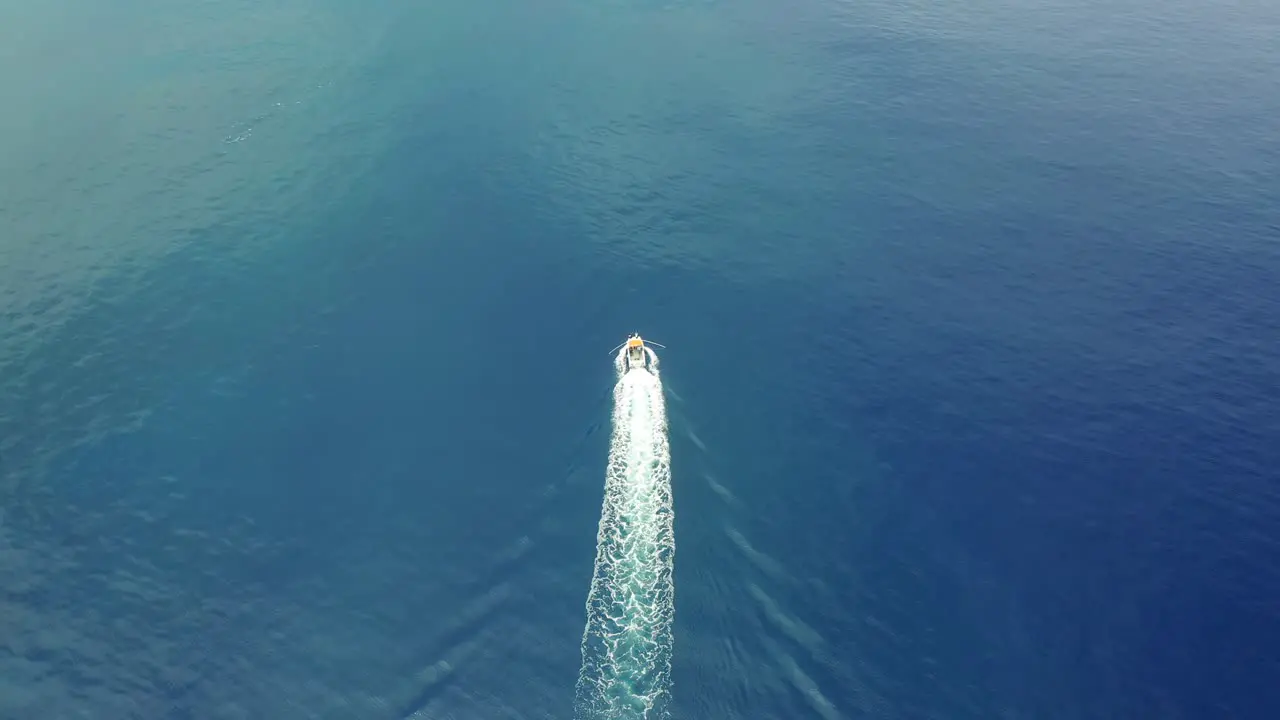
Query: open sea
[[971, 365]]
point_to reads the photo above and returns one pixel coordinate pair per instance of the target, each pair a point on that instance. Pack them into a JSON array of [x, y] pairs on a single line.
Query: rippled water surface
[[971, 372]]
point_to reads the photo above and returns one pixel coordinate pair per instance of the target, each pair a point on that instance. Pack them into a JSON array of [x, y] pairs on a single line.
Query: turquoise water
[[305, 391]]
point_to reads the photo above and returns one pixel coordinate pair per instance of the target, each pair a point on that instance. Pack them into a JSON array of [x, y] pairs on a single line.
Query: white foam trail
[[626, 645]]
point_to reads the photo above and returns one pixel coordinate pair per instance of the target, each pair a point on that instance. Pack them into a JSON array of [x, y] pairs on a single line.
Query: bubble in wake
[[626, 646]]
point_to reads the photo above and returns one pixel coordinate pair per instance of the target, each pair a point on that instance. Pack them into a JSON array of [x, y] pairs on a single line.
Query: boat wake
[[627, 642]]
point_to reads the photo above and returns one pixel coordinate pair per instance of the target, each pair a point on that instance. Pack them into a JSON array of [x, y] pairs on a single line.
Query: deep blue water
[[305, 311]]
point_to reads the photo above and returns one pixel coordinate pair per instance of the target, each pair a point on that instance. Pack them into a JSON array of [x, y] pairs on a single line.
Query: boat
[[636, 353]]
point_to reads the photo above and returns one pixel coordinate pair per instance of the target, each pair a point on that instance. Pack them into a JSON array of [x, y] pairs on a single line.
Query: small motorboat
[[636, 353]]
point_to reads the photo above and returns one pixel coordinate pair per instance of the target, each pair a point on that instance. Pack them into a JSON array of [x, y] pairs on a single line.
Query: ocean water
[[971, 365]]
